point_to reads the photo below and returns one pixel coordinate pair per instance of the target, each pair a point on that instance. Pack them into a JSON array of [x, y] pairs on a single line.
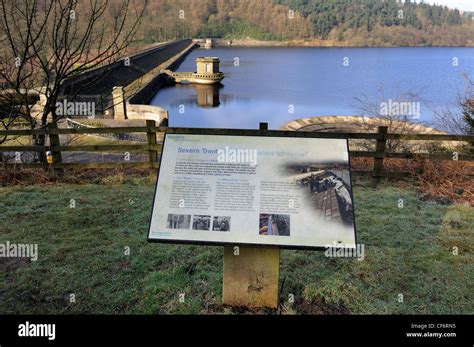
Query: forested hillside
[[344, 22]]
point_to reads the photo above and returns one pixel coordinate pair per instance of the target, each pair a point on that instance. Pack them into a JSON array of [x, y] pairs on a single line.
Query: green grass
[[408, 251]]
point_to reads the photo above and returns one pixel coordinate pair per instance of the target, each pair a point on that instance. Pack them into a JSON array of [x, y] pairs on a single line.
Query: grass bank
[[82, 251]]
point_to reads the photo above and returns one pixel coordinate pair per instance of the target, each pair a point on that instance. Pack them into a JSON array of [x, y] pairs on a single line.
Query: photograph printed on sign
[[284, 191], [221, 223], [274, 224], [201, 222]]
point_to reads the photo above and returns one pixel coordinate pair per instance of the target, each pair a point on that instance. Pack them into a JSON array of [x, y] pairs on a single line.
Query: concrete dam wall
[[150, 86], [118, 74]]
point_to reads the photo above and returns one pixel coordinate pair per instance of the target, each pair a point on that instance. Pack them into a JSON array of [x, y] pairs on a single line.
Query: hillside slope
[[338, 22]]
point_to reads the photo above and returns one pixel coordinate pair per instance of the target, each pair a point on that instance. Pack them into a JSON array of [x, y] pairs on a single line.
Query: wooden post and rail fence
[[153, 148], [250, 274]]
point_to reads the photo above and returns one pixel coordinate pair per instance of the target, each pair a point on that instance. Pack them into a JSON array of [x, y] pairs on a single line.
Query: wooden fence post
[[251, 274], [54, 142], [151, 139], [380, 152]]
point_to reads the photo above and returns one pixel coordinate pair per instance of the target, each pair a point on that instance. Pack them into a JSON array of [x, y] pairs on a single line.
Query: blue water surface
[[276, 85]]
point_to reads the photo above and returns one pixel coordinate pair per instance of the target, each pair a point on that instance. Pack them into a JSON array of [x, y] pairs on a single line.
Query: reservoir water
[[276, 85]]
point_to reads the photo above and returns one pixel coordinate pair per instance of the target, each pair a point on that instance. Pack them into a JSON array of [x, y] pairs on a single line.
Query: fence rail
[[153, 147], [214, 131]]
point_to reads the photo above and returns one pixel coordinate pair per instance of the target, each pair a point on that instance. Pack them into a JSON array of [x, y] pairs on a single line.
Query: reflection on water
[[202, 95], [276, 85], [208, 95], [197, 96]]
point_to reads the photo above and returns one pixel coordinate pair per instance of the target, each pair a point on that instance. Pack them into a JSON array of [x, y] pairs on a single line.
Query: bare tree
[[458, 118], [397, 119], [19, 78], [45, 42]]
